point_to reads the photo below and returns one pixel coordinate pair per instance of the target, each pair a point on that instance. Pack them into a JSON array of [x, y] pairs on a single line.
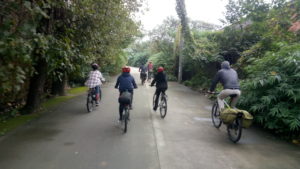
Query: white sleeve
[[101, 77]]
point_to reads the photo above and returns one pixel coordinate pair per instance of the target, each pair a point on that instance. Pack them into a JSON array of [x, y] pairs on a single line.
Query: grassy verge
[[77, 90], [12, 123]]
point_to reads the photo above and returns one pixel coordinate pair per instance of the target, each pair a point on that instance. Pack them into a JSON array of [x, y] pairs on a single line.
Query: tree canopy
[[260, 40], [45, 44]]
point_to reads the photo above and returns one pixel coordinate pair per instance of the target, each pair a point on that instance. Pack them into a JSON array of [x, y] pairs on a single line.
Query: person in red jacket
[[150, 70]]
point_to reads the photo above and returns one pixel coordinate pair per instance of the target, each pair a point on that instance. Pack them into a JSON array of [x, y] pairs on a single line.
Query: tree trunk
[[36, 88], [58, 86], [180, 61], [62, 91]]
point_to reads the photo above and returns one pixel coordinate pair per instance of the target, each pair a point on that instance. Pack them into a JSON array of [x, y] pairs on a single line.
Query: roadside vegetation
[[47, 46], [260, 40]]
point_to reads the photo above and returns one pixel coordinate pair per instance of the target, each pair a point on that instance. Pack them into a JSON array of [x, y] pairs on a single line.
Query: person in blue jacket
[[125, 82]]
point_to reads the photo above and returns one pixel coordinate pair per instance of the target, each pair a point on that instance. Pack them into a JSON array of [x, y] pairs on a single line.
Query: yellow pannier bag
[[228, 115], [247, 118]]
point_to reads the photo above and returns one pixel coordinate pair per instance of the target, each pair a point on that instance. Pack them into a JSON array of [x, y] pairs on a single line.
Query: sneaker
[[119, 122], [154, 108]]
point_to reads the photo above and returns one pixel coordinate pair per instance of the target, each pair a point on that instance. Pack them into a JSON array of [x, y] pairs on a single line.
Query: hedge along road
[[70, 138]]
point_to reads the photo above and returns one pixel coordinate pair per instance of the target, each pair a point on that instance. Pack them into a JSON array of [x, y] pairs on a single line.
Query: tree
[[45, 43]]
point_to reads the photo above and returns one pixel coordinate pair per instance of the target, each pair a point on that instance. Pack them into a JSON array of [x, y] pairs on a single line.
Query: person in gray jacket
[[228, 77]]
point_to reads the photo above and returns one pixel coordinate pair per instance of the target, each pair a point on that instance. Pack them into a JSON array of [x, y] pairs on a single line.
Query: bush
[[272, 91]]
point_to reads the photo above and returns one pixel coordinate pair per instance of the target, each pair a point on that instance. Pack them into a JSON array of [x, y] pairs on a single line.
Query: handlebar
[[214, 93]]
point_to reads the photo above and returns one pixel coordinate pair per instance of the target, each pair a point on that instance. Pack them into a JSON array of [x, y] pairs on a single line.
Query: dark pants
[[157, 93], [143, 75], [121, 107]]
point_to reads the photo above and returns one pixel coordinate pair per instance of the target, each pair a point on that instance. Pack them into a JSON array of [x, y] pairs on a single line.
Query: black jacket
[[227, 76], [161, 80]]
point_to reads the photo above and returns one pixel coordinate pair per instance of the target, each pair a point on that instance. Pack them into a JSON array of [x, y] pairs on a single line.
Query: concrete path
[[70, 138]]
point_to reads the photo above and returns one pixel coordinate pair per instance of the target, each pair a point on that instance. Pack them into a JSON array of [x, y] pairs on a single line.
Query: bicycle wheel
[[143, 81], [153, 103], [89, 103], [125, 119], [215, 115], [163, 107], [100, 95], [234, 130]]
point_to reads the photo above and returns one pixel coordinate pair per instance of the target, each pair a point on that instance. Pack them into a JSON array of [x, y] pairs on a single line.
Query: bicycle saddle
[[233, 95]]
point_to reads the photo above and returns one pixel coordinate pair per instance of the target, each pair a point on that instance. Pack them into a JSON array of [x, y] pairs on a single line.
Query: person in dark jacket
[[143, 70], [125, 82], [161, 84], [228, 77]]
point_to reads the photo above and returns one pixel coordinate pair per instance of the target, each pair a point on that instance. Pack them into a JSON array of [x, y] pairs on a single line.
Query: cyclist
[[125, 82], [228, 77], [150, 70], [143, 70], [95, 80], [161, 84]]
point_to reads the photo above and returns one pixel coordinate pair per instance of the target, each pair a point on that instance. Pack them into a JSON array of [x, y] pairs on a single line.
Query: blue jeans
[[97, 92]]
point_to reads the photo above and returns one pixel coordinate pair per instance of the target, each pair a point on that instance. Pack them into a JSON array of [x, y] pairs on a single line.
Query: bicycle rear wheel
[[143, 81], [89, 103], [153, 102], [234, 130], [163, 107], [125, 119], [215, 115]]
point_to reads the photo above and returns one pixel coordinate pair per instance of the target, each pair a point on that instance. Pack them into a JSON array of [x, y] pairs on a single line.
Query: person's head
[[160, 69], [95, 66], [225, 65], [150, 62], [125, 69]]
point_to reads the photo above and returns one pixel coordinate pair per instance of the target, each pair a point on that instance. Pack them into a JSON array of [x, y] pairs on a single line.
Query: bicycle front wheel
[[234, 130], [89, 103], [163, 107], [215, 115]]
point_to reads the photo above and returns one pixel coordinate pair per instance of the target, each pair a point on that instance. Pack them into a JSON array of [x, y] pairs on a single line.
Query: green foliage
[[272, 90], [68, 37], [138, 54]]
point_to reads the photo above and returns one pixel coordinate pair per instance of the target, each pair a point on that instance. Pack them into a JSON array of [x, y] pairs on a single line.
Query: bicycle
[[91, 99], [162, 104], [234, 129], [125, 103]]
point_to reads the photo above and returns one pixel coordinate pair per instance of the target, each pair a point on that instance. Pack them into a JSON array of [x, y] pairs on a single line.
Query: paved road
[[70, 138]]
